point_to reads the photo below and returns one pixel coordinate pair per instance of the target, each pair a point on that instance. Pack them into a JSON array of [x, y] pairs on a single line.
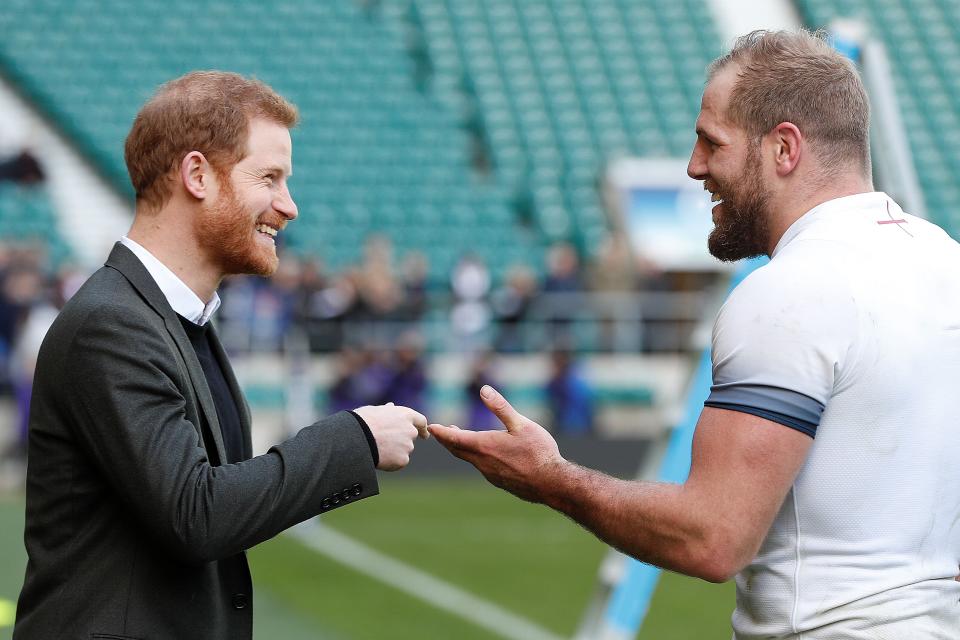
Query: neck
[[795, 202], [170, 240]]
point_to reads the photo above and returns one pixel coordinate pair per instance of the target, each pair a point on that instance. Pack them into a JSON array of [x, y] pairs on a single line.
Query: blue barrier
[[631, 598]]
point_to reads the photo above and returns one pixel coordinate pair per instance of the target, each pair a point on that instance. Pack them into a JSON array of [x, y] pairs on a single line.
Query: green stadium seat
[[547, 86], [922, 39]]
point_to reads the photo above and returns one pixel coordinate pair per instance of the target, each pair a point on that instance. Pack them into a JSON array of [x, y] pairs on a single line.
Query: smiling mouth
[[715, 196], [267, 230]]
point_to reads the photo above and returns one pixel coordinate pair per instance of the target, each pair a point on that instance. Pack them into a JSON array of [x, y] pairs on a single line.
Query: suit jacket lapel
[[235, 391], [124, 261]]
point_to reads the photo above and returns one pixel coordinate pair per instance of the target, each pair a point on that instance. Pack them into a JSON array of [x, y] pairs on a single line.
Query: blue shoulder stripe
[[783, 406]]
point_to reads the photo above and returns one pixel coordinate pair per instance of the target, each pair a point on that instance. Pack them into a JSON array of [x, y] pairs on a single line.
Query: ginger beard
[[741, 225], [230, 238]]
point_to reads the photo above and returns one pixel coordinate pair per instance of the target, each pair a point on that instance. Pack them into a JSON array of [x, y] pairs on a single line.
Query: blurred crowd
[[31, 295], [372, 317], [380, 318], [376, 301]]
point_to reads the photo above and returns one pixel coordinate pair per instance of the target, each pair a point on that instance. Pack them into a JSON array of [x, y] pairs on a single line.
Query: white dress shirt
[[181, 297]]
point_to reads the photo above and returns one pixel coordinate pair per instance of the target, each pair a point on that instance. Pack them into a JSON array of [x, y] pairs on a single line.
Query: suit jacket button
[[240, 601], [325, 504], [356, 489]]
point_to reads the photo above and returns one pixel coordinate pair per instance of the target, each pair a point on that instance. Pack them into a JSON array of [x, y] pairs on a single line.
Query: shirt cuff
[[371, 441]]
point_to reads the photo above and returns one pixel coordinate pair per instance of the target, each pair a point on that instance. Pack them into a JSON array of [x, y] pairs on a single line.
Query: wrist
[[556, 479]]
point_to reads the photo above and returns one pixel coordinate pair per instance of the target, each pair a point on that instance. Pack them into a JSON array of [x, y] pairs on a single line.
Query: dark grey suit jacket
[[134, 527]]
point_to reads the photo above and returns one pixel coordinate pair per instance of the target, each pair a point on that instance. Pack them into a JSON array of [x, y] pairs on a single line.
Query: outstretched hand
[[521, 460]]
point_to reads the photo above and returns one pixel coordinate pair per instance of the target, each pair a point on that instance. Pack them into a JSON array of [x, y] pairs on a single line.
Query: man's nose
[[285, 205], [697, 166]]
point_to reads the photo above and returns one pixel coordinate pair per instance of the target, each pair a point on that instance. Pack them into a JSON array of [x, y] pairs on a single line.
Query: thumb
[[510, 417]]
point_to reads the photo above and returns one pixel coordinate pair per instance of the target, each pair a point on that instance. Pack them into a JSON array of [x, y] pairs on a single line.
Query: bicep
[[742, 468]]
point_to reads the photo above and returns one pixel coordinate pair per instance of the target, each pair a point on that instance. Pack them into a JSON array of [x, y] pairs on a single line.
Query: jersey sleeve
[[781, 341]]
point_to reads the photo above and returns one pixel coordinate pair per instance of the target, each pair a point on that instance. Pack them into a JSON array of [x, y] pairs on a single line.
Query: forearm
[[227, 509], [667, 525], [741, 470]]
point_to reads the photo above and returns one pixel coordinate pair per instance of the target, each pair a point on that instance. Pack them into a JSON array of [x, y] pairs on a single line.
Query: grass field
[[521, 557]]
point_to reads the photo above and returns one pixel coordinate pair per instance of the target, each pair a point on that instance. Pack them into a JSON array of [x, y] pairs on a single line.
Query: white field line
[[414, 582]]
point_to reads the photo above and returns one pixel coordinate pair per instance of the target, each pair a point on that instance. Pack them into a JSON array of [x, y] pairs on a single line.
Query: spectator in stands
[[332, 310], [69, 280], [614, 277], [413, 304], [408, 380], [142, 491], [22, 169], [375, 320], [562, 287], [823, 473], [569, 395], [470, 315], [511, 307], [312, 283], [274, 307], [482, 373], [37, 318], [563, 269], [379, 289], [9, 316], [238, 297], [347, 390]]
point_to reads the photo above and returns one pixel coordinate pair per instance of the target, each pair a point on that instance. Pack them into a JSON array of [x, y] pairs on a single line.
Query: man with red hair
[[142, 489]]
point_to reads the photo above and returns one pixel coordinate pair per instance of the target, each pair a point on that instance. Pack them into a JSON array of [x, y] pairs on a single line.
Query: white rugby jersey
[[851, 334]]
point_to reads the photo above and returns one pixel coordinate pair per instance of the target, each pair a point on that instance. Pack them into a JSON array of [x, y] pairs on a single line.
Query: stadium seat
[[921, 38]]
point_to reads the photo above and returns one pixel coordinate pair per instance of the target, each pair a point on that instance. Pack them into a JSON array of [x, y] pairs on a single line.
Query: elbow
[[718, 571], [190, 537], [720, 558], [190, 550]]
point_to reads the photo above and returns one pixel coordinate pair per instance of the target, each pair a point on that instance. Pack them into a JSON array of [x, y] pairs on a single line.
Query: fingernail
[[486, 391]]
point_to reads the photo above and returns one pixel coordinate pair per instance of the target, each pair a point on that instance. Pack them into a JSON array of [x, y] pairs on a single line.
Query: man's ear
[[787, 144], [196, 175]]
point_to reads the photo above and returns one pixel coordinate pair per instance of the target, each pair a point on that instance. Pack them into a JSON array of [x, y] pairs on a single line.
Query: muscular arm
[[710, 527]]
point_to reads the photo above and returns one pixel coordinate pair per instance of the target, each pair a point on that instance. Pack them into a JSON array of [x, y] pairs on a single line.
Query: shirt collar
[[856, 202], [181, 297]]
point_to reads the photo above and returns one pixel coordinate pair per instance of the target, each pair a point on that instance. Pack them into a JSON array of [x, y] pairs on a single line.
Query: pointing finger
[[510, 417]]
